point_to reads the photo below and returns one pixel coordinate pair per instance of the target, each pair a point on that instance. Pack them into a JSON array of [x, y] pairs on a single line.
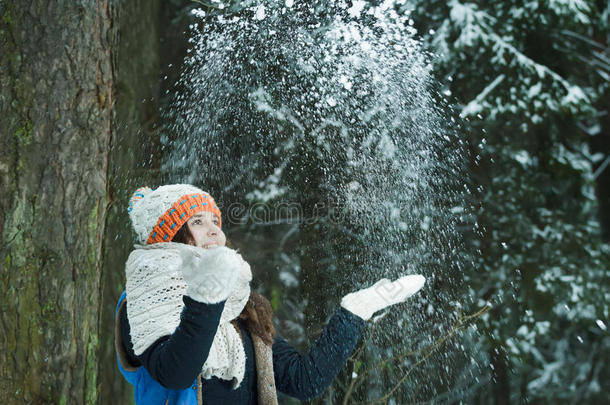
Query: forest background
[[82, 90]]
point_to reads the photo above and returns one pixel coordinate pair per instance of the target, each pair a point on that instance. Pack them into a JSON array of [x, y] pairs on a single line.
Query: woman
[[190, 331]]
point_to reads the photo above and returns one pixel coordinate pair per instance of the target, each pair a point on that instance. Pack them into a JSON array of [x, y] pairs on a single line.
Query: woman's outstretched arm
[[308, 376]]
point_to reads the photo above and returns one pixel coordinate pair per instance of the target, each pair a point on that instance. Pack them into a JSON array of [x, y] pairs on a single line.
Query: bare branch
[[428, 351]]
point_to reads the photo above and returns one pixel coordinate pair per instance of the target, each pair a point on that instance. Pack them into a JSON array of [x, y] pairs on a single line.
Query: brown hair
[[184, 235], [257, 314]]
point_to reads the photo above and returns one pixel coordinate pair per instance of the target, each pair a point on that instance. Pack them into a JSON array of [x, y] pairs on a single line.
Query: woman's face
[[205, 230]]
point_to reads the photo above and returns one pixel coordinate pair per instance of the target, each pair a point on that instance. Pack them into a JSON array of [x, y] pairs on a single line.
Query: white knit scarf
[[154, 303]]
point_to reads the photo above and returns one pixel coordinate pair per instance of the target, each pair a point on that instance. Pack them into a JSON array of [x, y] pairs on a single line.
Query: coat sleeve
[[307, 376], [176, 360]]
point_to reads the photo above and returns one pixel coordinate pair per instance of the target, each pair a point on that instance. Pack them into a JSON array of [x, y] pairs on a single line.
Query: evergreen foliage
[[530, 78]]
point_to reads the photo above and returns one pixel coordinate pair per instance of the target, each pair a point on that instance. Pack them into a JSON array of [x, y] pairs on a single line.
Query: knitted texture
[[155, 287], [382, 294], [227, 357], [265, 379], [210, 274], [157, 215], [154, 293]]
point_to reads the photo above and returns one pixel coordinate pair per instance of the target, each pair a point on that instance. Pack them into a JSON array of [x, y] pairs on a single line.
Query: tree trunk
[[56, 106], [72, 157], [500, 379], [133, 163]]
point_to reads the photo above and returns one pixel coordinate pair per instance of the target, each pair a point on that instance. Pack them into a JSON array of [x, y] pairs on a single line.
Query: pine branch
[[204, 4]]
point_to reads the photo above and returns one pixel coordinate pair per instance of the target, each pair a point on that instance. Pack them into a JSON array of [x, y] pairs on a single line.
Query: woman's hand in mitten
[[382, 294], [210, 274]]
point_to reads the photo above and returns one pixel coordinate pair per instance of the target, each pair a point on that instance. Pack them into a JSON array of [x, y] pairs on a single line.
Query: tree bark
[[133, 163], [73, 156], [56, 107]]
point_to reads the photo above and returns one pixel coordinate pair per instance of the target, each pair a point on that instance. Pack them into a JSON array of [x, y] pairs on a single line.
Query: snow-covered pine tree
[[530, 79]]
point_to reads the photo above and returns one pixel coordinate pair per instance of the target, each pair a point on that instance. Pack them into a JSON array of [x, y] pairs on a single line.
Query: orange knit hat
[[157, 215]]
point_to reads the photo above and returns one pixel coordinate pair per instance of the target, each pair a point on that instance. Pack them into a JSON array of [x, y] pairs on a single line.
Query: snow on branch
[[475, 106], [476, 26]]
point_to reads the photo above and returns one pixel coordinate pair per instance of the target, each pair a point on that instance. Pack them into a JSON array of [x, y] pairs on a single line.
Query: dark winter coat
[[165, 372]]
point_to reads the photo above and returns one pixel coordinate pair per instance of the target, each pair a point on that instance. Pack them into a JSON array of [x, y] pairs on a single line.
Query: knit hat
[[157, 214]]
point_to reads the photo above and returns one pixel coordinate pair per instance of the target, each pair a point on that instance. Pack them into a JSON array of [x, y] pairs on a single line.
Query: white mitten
[[382, 294], [210, 274]]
